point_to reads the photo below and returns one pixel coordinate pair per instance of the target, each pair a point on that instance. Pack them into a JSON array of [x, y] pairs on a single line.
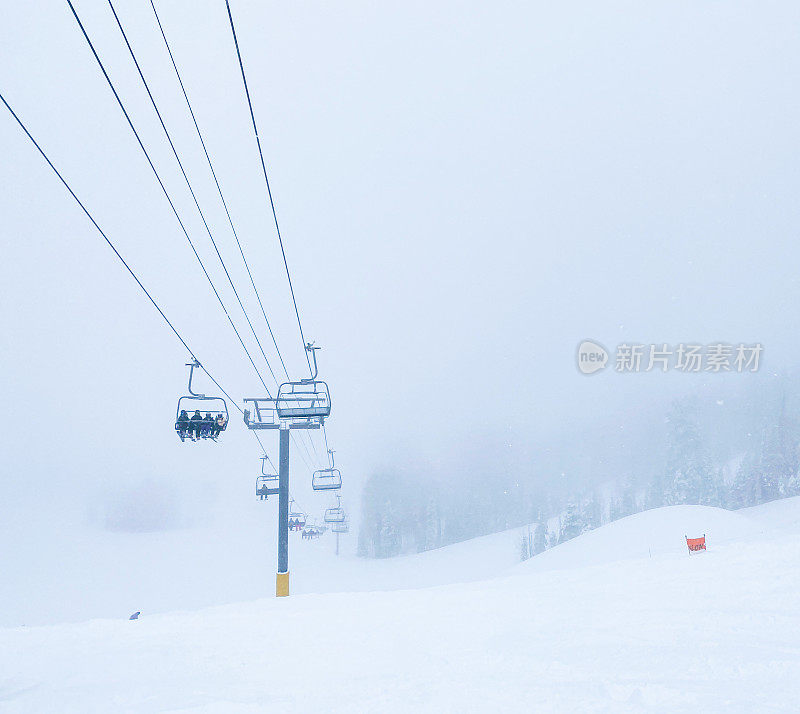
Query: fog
[[466, 191]]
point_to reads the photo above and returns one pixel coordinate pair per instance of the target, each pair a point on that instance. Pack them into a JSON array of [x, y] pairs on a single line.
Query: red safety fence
[[695, 544]]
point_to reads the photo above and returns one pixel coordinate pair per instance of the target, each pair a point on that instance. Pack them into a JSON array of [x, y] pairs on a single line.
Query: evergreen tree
[[433, 525], [539, 538], [779, 460], [743, 492], [688, 466], [628, 504], [591, 513], [712, 490], [656, 493], [572, 523], [524, 550]]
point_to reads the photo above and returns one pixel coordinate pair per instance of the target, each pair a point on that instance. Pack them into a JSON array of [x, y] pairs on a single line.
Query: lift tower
[[298, 405]]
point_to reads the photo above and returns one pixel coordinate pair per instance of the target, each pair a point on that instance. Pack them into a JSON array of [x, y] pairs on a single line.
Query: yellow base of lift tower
[[282, 585]]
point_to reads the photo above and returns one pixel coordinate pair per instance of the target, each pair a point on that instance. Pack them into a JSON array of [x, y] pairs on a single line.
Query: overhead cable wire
[[224, 204], [164, 190], [219, 188], [266, 180], [189, 185], [122, 260], [271, 201]]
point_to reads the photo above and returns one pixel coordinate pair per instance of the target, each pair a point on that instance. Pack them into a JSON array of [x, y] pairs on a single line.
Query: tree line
[[705, 453]]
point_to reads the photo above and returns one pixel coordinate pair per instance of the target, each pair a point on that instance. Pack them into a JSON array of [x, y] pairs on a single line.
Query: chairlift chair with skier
[[212, 411]]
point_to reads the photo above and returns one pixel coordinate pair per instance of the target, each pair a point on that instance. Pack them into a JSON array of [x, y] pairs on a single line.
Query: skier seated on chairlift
[[206, 425], [263, 491], [196, 423], [219, 425], [183, 425]]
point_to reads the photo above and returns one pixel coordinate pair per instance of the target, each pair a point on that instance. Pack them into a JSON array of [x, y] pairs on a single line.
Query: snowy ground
[[621, 619]]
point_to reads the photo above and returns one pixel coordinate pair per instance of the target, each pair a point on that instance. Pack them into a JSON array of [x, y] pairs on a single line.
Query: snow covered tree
[[628, 505], [539, 538], [689, 472], [656, 492], [572, 523], [592, 513], [779, 459], [745, 488], [769, 470], [712, 490], [524, 547], [433, 525]]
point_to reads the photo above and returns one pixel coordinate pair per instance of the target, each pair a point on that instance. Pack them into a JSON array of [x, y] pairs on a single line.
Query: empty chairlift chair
[[303, 400], [326, 480], [335, 514], [329, 479], [306, 399], [192, 403]]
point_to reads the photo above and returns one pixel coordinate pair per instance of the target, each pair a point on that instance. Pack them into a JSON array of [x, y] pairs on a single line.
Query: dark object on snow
[[135, 615]]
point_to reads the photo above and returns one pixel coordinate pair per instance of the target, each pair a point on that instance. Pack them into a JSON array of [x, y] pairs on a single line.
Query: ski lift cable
[[266, 180], [302, 456], [298, 442], [189, 185], [219, 188], [269, 193], [122, 260], [164, 190], [222, 198], [325, 436], [191, 190]]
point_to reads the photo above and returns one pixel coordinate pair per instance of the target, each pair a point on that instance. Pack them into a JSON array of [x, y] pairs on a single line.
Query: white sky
[[466, 191]]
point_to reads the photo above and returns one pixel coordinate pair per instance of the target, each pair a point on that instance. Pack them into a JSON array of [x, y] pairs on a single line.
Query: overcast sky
[[465, 190]]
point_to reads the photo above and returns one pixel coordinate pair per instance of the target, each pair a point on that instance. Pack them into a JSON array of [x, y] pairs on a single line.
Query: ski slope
[[621, 619]]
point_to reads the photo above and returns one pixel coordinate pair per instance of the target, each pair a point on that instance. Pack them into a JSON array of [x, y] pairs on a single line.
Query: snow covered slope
[[77, 572], [622, 619]]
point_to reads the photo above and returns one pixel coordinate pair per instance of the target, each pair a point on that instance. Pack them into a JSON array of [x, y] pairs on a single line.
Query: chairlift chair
[[306, 399], [303, 400], [267, 486], [341, 527], [335, 515], [194, 402], [261, 413], [267, 483], [328, 479], [297, 519], [312, 532]]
